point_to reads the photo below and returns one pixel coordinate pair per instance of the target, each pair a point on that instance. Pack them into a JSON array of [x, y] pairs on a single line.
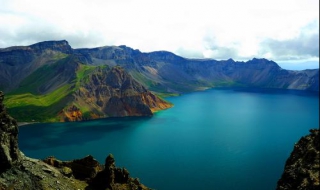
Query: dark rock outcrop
[[98, 177], [117, 178], [302, 167], [85, 169], [9, 150]]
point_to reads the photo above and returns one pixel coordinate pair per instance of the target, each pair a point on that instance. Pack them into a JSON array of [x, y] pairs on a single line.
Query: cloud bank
[[286, 30]]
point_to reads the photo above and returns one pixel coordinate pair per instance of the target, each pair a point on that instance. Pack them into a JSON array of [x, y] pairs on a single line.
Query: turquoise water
[[215, 139]]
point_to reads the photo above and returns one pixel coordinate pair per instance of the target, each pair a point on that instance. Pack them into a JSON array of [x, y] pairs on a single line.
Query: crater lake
[[220, 138]]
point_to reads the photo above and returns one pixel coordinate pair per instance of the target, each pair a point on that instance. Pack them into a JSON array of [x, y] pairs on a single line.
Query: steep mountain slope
[[16, 63]]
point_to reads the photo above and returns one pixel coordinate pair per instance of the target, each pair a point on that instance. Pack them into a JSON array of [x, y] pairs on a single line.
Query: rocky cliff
[[19, 172], [302, 167]]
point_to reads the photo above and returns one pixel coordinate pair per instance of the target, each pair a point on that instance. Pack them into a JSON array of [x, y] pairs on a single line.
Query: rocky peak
[[166, 56], [230, 60], [9, 151], [62, 46], [262, 61]]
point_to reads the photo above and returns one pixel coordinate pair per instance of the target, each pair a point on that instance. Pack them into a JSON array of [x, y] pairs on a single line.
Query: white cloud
[[193, 28]]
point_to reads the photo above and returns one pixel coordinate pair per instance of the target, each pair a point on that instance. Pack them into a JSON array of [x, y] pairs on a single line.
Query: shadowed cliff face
[[302, 167]]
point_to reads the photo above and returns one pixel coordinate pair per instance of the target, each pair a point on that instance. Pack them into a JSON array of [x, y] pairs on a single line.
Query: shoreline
[[25, 123]]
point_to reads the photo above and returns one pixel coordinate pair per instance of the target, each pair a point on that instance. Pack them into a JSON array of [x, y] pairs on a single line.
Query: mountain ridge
[[52, 78], [193, 72]]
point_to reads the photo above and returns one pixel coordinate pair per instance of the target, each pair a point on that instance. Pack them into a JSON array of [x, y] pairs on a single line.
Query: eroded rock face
[[9, 150], [111, 92], [302, 167]]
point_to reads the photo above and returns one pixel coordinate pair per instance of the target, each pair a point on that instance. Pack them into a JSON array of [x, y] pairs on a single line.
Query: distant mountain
[[60, 88], [51, 81], [163, 71]]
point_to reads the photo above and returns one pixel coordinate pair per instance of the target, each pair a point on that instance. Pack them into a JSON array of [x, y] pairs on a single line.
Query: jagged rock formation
[[302, 167], [9, 150], [19, 172], [97, 176]]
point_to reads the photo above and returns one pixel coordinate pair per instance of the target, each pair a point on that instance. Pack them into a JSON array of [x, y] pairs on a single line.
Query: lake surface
[[215, 139]]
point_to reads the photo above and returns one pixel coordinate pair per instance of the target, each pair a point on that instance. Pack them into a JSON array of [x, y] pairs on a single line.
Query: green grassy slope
[[28, 104], [35, 107]]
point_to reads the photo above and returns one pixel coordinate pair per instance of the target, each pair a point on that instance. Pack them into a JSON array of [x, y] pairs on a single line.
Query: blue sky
[[286, 31]]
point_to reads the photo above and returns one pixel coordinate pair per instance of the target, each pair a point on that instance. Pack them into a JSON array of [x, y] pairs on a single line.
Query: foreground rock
[[302, 167], [9, 151], [19, 172], [95, 175]]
